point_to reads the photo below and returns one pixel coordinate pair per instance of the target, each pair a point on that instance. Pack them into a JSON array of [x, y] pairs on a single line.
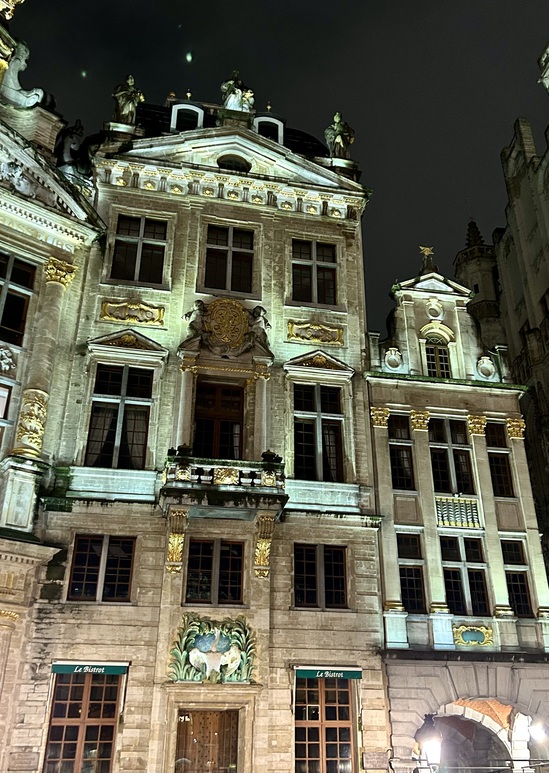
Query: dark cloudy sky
[[432, 88]]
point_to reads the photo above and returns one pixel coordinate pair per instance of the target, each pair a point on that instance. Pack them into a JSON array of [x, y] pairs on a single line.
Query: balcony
[[210, 486], [457, 512]]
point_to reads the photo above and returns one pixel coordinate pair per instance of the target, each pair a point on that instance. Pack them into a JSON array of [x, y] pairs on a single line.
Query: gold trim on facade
[[503, 610], [380, 416], [486, 632], [177, 521], [310, 333], [476, 424], [32, 422], [439, 608], [265, 530], [226, 476], [59, 271], [419, 420], [9, 614], [393, 606], [515, 428], [132, 312]]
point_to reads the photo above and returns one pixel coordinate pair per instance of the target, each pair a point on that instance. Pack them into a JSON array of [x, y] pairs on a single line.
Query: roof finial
[[427, 264]]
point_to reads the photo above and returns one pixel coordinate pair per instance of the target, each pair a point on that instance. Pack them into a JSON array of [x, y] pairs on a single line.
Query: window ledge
[[208, 605], [323, 496], [125, 286], [113, 484], [337, 610], [323, 306]]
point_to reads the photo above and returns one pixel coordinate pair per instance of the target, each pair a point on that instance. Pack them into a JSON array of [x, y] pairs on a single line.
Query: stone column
[[8, 618], [188, 370], [260, 378], [34, 403], [494, 558]]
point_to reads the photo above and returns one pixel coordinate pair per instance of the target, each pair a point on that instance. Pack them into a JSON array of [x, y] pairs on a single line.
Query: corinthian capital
[[59, 271]]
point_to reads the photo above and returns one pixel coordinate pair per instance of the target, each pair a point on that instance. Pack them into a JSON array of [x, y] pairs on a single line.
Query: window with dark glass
[[450, 457], [464, 575], [324, 741], [119, 421], [101, 568], [400, 451], [516, 574], [16, 285], [219, 410], [215, 572], [438, 357], [410, 561], [318, 432], [139, 249], [314, 272], [83, 723], [320, 577], [229, 259], [498, 458]]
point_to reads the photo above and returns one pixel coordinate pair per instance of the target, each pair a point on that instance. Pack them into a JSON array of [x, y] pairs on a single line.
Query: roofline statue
[[339, 137], [126, 98]]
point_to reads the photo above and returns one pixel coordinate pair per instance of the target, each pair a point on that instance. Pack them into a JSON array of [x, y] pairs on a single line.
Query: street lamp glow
[[537, 732]]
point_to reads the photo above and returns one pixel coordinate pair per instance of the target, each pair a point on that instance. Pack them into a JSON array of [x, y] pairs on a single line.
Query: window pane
[[230, 573], [464, 472], [495, 435], [402, 471], [155, 229], [332, 451], [199, 572], [151, 264], [473, 550], [118, 570], [302, 283], [139, 383], [101, 435], [241, 277], [501, 475], [334, 576], [325, 253], [454, 592], [399, 427], [479, 594], [124, 260], [305, 450], [330, 399], [411, 583], [216, 269], [133, 440], [519, 596], [305, 576], [458, 432], [513, 552], [108, 380], [85, 568], [218, 235], [409, 546], [449, 547], [437, 431], [128, 226], [302, 250], [326, 285], [23, 274], [243, 240], [304, 397], [441, 470]]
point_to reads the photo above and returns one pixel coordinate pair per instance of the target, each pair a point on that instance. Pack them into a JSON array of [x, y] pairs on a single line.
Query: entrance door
[[207, 742]]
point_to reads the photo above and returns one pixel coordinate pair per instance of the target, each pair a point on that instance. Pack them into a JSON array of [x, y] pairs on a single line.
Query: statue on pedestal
[[339, 137], [237, 96], [10, 88], [126, 97]]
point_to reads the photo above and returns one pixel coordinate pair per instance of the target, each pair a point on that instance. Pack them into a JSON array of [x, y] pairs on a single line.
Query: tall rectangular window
[[400, 451], [516, 574], [119, 421], [83, 723], [465, 575], [215, 572], [318, 432], [16, 285], [411, 573], [320, 578], [498, 458], [438, 357], [324, 720], [219, 413], [314, 278], [139, 249], [101, 568], [450, 457], [229, 259]]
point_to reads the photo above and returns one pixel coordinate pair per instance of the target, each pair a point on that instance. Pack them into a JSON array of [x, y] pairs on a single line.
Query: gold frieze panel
[[134, 312], [315, 333]]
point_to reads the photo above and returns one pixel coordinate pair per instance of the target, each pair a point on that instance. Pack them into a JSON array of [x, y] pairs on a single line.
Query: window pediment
[[125, 345], [439, 330], [318, 366]]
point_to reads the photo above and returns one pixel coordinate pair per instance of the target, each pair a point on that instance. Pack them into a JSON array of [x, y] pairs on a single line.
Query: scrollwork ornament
[[59, 271], [177, 521], [515, 428], [477, 424], [380, 416], [419, 420], [32, 422]]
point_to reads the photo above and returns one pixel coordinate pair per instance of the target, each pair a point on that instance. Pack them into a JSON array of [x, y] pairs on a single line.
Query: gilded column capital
[[264, 538], [419, 420], [32, 422], [8, 616], [476, 424], [515, 428], [188, 364], [59, 271], [380, 416], [177, 523]]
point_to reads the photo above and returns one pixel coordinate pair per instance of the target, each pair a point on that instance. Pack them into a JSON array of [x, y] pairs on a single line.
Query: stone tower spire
[[474, 236]]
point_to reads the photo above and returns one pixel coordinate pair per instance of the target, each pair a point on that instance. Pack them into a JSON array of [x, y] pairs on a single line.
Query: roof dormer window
[[438, 357], [234, 163]]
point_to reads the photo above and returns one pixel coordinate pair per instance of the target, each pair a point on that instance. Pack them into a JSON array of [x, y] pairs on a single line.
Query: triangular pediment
[[201, 148], [433, 283], [126, 339], [318, 362], [30, 178]]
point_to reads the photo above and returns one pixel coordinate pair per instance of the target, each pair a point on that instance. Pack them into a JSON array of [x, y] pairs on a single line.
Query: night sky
[[431, 87]]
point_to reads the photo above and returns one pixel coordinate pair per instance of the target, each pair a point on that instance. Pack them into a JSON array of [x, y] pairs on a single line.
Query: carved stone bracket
[[177, 521], [515, 428], [189, 364], [477, 424], [380, 416], [59, 271], [419, 420], [264, 538], [32, 422]]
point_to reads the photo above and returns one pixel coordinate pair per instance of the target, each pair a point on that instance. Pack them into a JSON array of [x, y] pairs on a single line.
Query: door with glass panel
[[207, 742]]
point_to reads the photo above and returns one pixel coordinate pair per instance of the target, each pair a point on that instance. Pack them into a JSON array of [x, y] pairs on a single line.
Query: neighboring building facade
[[223, 546]]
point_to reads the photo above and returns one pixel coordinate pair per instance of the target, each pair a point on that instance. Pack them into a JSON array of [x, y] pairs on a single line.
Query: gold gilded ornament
[[226, 476], [477, 424], [59, 271], [419, 420], [32, 422], [315, 333], [133, 313], [226, 323], [380, 416], [515, 428]]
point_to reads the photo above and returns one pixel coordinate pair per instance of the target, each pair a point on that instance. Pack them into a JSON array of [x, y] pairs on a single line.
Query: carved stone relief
[[133, 312], [32, 421], [314, 333]]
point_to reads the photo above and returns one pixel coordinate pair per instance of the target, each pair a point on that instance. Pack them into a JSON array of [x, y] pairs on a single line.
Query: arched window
[[234, 163], [437, 355]]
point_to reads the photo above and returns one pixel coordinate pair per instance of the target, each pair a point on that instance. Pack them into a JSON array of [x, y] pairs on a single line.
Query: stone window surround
[[169, 218], [463, 566], [415, 562], [435, 327], [330, 237]]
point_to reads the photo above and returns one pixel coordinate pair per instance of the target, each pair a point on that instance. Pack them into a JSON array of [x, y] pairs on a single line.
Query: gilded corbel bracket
[[177, 520], [264, 538]]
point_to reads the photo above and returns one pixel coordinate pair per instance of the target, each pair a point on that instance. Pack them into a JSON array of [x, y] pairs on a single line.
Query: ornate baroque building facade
[[237, 532]]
